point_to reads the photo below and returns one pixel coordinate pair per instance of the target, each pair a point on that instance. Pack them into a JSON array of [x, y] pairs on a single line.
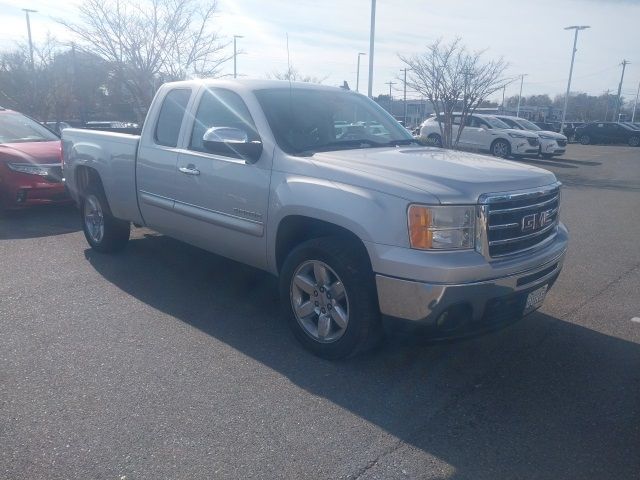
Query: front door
[[222, 200]]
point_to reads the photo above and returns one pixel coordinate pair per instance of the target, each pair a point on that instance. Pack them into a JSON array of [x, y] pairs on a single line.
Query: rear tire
[[328, 296], [104, 232], [634, 141], [501, 148], [585, 139]]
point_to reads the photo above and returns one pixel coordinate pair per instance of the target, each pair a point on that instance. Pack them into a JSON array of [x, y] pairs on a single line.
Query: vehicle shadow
[[539, 399], [546, 163], [39, 222]]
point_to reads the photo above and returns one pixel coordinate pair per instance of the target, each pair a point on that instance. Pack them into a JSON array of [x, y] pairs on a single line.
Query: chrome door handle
[[189, 170]]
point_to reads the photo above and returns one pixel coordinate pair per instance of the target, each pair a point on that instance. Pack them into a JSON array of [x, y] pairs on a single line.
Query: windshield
[[16, 128], [527, 125], [307, 120], [495, 123]]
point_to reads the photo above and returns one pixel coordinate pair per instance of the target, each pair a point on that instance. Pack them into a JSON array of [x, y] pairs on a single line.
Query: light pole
[[635, 104], [358, 72], [520, 95], [27, 11], [618, 101], [372, 34], [405, 94], [577, 28], [390, 101], [235, 55]]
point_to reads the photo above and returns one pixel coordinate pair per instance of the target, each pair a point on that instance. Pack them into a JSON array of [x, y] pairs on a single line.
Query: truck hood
[[450, 176], [31, 152]]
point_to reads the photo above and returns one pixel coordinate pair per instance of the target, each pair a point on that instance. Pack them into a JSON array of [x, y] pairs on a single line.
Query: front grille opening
[[519, 223]]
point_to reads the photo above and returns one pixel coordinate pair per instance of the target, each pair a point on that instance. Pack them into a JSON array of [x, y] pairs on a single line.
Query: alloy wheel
[[320, 302], [94, 218]]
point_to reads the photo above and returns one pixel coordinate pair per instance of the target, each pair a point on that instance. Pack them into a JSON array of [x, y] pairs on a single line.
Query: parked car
[[570, 129], [355, 228], [56, 127], [486, 134], [552, 144], [607, 132], [547, 126], [30, 170]]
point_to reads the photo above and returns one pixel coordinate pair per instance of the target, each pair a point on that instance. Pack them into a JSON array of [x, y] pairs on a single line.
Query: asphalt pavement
[[167, 362]]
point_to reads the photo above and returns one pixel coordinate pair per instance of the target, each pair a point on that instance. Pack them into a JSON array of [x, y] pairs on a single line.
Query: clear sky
[[325, 37]]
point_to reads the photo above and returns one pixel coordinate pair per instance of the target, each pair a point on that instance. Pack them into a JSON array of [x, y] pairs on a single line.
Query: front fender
[[372, 216]]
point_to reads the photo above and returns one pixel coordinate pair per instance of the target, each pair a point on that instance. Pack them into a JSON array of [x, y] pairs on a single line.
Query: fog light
[[21, 196]]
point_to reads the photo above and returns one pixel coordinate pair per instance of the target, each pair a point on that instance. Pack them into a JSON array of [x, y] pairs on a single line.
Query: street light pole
[[372, 34], [390, 100], [405, 95], [358, 72], [504, 89], [577, 28], [618, 101], [635, 104], [235, 55], [27, 11], [520, 95]]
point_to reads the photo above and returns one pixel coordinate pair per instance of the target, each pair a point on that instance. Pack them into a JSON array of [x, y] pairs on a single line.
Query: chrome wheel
[[94, 218], [501, 149], [319, 301]]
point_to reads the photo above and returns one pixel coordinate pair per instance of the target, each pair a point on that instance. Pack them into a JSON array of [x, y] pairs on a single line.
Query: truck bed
[[113, 156]]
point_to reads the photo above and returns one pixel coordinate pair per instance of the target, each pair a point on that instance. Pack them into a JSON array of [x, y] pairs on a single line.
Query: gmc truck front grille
[[520, 220]]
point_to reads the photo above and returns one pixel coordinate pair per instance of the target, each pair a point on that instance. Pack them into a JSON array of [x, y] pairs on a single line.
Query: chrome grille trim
[[500, 219], [524, 237], [527, 207]]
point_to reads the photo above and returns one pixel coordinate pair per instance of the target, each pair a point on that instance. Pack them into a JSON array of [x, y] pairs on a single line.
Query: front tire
[[546, 156], [634, 141], [105, 233], [501, 148], [434, 140], [328, 295], [585, 139]]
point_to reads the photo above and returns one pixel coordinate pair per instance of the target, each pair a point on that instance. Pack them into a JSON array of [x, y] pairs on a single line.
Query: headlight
[[30, 169], [441, 227], [546, 136], [517, 135]]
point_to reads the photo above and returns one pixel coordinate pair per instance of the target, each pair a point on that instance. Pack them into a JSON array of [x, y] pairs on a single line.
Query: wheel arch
[[295, 229]]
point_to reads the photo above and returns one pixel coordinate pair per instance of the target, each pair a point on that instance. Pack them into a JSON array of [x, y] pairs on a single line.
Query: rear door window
[[171, 115]]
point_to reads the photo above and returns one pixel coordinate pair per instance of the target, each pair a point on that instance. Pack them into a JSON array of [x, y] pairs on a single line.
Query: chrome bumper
[[425, 302]]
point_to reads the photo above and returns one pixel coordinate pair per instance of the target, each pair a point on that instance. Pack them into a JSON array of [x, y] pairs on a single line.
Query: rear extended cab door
[[158, 155]]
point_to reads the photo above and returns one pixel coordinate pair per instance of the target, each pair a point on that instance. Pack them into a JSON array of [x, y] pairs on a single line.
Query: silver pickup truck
[[324, 189]]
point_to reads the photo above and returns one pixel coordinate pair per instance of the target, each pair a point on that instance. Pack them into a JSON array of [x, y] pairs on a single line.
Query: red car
[[30, 163]]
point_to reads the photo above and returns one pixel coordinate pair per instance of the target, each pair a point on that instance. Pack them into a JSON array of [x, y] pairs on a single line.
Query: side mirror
[[232, 142]]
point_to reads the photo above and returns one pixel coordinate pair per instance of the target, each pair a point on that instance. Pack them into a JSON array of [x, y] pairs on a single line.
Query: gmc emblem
[[536, 220]]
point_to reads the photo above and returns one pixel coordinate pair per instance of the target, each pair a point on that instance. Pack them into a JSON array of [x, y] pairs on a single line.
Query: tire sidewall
[[585, 140], [634, 141], [358, 283], [116, 232]]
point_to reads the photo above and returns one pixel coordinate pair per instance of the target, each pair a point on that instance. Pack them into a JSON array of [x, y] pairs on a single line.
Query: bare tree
[[453, 79], [293, 75], [151, 41]]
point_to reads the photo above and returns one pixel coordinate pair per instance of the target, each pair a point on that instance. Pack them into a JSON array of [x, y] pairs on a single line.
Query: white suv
[[485, 133], [552, 144]]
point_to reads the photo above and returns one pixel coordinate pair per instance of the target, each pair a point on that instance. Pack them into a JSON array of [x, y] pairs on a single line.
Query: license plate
[[535, 299]]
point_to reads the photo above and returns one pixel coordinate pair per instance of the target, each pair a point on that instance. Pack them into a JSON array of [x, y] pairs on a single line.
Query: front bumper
[[474, 305], [19, 190], [551, 147], [520, 146]]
